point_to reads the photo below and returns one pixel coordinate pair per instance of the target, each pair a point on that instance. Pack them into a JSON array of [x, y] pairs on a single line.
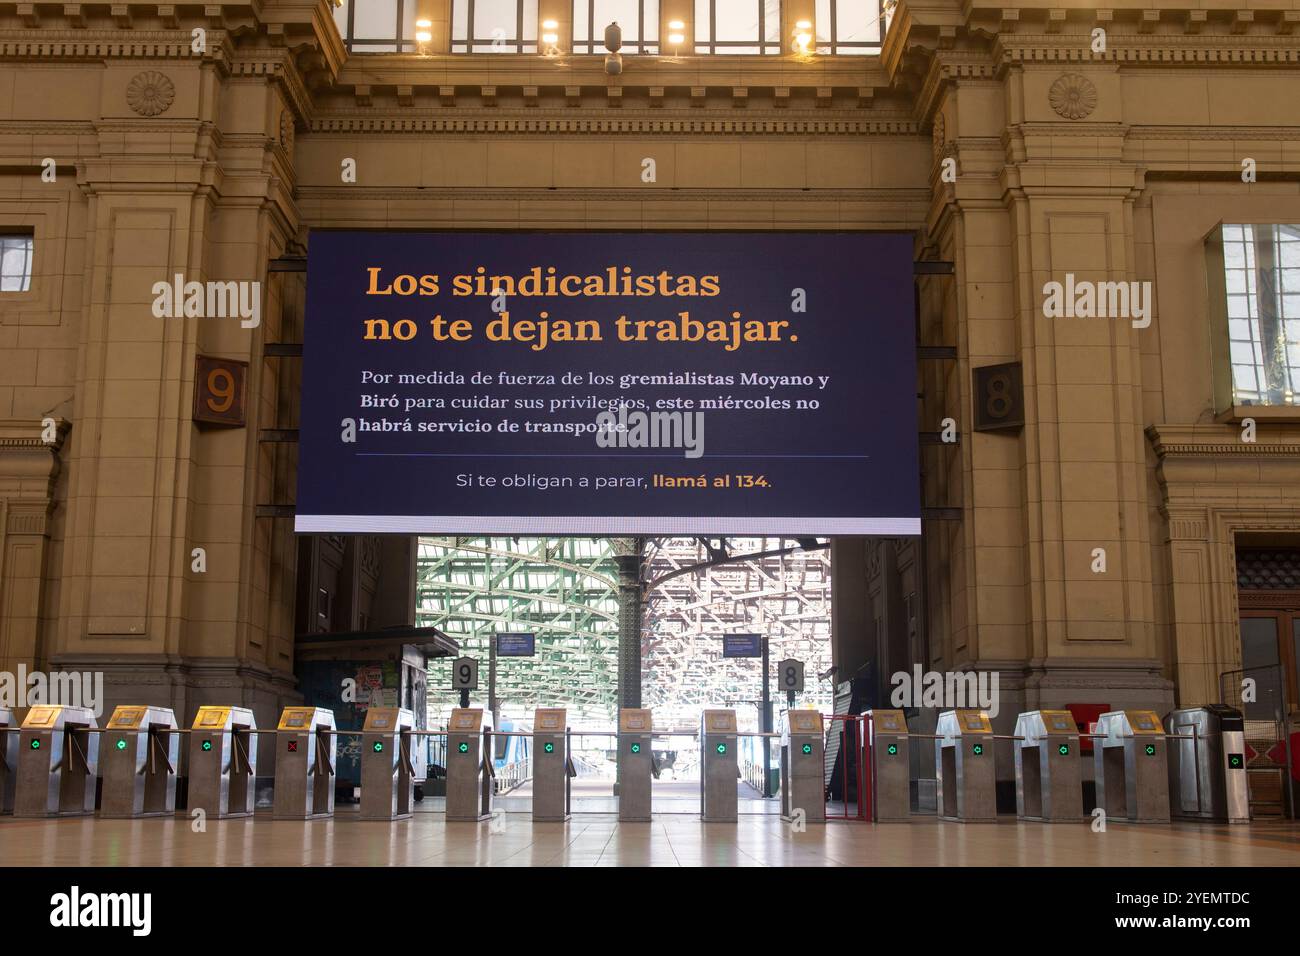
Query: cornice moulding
[[535, 122], [901, 196], [1182, 441]]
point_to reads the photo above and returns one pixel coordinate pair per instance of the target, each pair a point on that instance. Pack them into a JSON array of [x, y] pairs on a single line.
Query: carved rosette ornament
[[938, 135], [150, 93], [286, 129], [1073, 96]]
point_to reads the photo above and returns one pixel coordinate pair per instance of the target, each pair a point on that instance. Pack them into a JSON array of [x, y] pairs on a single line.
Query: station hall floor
[[598, 839]]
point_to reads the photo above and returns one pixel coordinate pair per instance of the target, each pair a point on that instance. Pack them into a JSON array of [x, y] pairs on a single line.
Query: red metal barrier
[[852, 741]]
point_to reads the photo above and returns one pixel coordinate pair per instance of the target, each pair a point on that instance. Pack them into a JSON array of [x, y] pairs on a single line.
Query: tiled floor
[[598, 839], [666, 796]]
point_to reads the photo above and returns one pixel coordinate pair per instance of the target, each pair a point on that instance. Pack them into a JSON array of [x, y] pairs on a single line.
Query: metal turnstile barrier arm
[[322, 764], [81, 763], [157, 751], [404, 755], [239, 760]]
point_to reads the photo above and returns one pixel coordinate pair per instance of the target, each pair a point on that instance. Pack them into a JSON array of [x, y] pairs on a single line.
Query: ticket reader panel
[[223, 761], [469, 765], [139, 754], [891, 767], [964, 767], [552, 767], [307, 748], [803, 767], [1049, 786], [1130, 766], [635, 764], [718, 767], [58, 759], [8, 760], [387, 764], [1207, 764]]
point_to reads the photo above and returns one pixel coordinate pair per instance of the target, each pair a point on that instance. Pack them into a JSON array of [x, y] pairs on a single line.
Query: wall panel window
[[738, 26], [639, 20], [494, 26], [377, 26], [1254, 272], [15, 262], [848, 26]]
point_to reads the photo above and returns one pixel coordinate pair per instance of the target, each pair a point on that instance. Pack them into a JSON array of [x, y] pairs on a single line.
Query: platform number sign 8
[[464, 674], [999, 397], [790, 676]]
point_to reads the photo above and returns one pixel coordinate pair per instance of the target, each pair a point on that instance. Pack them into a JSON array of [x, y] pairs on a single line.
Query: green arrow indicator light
[[1234, 761], [549, 747], [1063, 750], [463, 748], [207, 745], [977, 749], [892, 749], [636, 748], [1151, 750], [807, 748], [121, 745], [36, 745], [722, 748], [379, 746]]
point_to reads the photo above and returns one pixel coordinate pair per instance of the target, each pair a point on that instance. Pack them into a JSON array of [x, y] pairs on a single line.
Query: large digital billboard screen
[[609, 383]]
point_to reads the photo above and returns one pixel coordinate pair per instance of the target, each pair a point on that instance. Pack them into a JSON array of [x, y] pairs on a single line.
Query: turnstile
[[552, 768], [139, 752], [963, 764], [718, 767], [304, 764], [469, 765], [1049, 785], [1130, 767], [387, 768], [891, 768], [803, 766], [223, 761], [635, 764], [58, 758], [8, 760], [1207, 764]]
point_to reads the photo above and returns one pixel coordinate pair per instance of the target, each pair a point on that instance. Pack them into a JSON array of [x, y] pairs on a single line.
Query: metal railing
[[512, 775], [752, 774]]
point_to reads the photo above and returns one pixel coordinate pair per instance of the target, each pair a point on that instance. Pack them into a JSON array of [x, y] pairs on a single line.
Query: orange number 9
[[221, 396]]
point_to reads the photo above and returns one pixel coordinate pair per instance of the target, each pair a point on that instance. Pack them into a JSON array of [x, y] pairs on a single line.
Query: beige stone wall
[[168, 162], [1122, 181], [1108, 165]]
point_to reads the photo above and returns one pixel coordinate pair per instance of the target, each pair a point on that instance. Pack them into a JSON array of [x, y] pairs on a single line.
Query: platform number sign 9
[[999, 397], [219, 391], [464, 674], [790, 676]]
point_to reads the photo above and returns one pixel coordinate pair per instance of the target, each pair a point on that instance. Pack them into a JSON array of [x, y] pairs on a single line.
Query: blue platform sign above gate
[[516, 645], [742, 645]]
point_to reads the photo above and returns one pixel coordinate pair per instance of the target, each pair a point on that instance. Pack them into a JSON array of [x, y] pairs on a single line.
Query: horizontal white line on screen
[[597, 525]]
